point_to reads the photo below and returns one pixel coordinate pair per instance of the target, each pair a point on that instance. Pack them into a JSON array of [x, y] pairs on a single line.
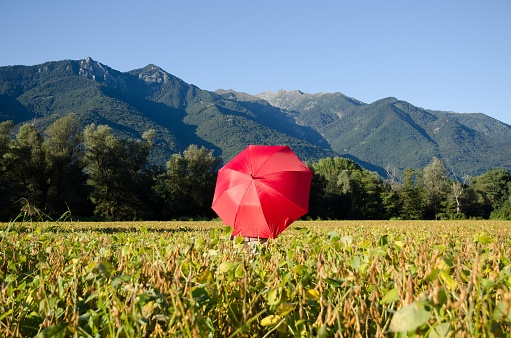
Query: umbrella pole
[[255, 240]]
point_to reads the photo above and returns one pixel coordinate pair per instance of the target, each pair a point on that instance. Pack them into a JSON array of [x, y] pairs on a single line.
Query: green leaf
[[440, 330], [53, 331], [390, 297], [104, 269], [322, 331], [11, 278], [204, 277], [432, 275], [483, 239], [442, 297], [334, 282], [226, 266], [200, 295], [333, 235], [399, 244], [7, 313], [118, 280], [487, 283], [355, 263], [239, 240], [240, 272], [410, 317], [299, 269], [384, 240], [448, 259], [502, 311]]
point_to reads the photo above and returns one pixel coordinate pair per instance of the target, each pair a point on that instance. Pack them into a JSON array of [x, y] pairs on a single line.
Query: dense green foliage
[[96, 173], [318, 279]]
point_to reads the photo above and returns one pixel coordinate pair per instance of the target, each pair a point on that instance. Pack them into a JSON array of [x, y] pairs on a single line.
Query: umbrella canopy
[[262, 190]]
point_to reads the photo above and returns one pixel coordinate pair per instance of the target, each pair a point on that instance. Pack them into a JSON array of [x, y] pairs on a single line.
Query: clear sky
[[452, 55]]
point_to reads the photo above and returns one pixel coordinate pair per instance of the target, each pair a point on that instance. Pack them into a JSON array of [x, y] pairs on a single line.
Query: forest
[[92, 174]]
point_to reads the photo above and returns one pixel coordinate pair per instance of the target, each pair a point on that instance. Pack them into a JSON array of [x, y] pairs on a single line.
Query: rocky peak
[[93, 70], [284, 99], [99, 72], [153, 74]]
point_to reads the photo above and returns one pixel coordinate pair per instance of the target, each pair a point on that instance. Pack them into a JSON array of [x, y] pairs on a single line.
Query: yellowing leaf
[[273, 297], [204, 277], [399, 244], [447, 280], [312, 294], [285, 308], [282, 328], [271, 320]]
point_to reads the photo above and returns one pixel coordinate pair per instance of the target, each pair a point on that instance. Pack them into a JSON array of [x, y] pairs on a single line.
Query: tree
[[29, 166], [9, 186], [188, 185], [412, 195], [342, 189], [118, 175], [436, 184], [366, 195], [329, 188], [64, 157], [390, 195], [493, 189], [458, 189]]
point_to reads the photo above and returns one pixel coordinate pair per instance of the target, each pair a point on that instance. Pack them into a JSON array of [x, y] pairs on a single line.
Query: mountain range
[[386, 133]]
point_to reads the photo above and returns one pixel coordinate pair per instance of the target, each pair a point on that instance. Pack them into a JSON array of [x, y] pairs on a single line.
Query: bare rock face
[[93, 70], [99, 72], [154, 74]]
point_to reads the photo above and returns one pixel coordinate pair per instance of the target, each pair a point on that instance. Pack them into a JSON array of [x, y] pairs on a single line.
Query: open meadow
[[318, 279]]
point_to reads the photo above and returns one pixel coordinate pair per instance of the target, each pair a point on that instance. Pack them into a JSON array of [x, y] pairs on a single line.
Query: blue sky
[[447, 55]]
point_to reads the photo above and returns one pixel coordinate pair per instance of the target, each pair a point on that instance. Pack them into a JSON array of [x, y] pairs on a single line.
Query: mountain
[[396, 133], [149, 98], [385, 132]]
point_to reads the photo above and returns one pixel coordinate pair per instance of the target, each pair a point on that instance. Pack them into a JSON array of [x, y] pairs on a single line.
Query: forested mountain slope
[[388, 132], [148, 98], [396, 133]]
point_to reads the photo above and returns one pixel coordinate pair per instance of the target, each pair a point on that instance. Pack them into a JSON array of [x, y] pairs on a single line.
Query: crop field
[[318, 279]]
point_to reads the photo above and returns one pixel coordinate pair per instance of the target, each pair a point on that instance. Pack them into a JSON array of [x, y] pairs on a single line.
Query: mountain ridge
[[388, 131]]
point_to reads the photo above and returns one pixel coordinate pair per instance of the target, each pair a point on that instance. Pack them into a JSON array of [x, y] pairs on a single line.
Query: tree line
[[91, 173]]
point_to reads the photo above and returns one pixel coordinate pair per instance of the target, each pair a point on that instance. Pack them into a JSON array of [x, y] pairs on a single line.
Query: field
[[318, 279]]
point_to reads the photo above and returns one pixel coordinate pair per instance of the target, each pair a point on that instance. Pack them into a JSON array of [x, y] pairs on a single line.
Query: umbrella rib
[[242, 199], [266, 160]]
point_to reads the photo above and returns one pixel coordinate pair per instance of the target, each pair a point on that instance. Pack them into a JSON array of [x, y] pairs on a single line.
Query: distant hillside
[[149, 98], [390, 131], [385, 132]]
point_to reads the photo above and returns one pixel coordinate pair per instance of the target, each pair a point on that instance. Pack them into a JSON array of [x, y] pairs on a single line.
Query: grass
[[318, 279]]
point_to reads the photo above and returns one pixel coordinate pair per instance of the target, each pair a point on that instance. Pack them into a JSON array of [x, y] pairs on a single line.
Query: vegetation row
[[318, 279], [91, 173]]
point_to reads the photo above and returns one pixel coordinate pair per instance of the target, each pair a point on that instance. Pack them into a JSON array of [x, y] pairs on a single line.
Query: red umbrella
[[262, 190]]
